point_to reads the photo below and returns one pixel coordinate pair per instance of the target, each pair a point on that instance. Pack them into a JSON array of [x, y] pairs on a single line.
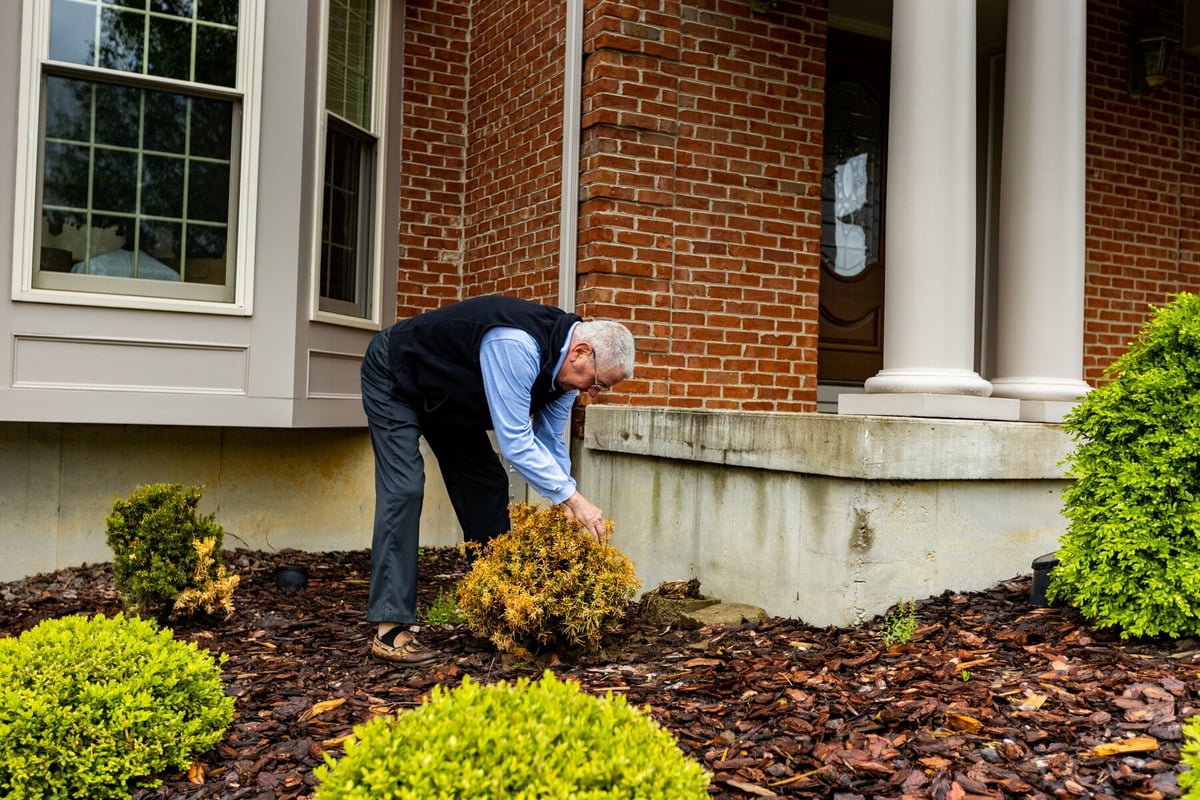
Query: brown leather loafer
[[405, 652]]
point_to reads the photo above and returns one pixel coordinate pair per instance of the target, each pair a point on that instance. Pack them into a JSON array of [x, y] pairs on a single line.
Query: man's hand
[[586, 512]]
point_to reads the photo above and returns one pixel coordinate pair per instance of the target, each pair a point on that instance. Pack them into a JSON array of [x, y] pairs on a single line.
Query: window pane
[[851, 188], [65, 175], [114, 180], [122, 40], [340, 228], [109, 232], [207, 241], [163, 241], [162, 186], [216, 55], [178, 8], [206, 258], [224, 12], [170, 48], [67, 110], [118, 109], [208, 191], [338, 273], [72, 31], [211, 128], [349, 61], [345, 218], [163, 126]]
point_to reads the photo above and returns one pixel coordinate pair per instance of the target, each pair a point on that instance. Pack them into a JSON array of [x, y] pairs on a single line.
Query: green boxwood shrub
[[89, 705], [546, 584], [1130, 558], [166, 557], [540, 739]]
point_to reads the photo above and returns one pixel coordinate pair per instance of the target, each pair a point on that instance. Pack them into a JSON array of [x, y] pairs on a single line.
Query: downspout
[[569, 212]]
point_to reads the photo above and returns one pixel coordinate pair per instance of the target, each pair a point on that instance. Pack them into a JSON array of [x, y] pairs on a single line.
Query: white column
[[1039, 335], [929, 285]]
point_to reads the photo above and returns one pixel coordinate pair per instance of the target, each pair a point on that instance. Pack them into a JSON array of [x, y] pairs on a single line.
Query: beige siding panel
[[333, 374], [127, 365]]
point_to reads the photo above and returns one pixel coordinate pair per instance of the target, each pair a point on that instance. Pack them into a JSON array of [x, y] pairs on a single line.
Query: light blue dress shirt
[[537, 447]]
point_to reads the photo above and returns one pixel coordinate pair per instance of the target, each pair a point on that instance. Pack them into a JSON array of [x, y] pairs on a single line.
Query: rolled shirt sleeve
[[536, 447]]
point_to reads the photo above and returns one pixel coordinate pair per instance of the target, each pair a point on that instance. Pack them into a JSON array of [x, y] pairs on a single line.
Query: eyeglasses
[[596, 384]]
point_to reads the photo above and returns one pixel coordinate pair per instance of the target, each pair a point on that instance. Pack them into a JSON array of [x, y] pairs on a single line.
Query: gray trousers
[[475, 481]]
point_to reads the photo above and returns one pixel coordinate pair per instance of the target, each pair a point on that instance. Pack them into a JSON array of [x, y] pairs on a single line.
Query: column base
[[928, 380], [947, 406], [1062, 390]]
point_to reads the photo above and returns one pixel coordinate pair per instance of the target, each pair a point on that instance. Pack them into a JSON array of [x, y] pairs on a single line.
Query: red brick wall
[[1142, 187], [480, 176], [700, 147], [434, 72], [514, 149], [699, 217], [699, 221]]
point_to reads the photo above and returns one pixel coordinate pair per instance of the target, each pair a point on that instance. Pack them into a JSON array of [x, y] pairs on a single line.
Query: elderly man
[[451, 375]]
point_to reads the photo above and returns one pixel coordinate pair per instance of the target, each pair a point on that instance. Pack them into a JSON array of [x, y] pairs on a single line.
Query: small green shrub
[[1189, 779], [443, 610], [166, 557], [1129, 559], [899, 625], [88, 705], [546, 584], [542, 739]]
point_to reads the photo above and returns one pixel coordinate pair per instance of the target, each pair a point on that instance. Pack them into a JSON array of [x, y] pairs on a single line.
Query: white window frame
[[379, 95], [133, 293]]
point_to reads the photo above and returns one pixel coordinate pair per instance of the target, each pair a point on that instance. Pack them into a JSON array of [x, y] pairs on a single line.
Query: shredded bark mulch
[[990, 698]]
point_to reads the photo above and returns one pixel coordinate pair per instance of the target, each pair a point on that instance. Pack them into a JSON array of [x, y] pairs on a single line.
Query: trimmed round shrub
[[89, 705], [166, 557], [546, 584], [1130, 558], [541, 739]]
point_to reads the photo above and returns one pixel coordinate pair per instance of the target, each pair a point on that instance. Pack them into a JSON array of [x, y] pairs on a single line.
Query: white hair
[[611, 342]]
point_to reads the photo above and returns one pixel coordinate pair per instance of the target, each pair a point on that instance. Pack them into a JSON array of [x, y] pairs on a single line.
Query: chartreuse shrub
[[1130, 558], [89, 705], [1189, 780], [546, 584], [166, 557], [541, 739]]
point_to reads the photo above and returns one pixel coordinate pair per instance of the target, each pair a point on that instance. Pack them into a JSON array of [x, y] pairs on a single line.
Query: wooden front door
[[850, 347]]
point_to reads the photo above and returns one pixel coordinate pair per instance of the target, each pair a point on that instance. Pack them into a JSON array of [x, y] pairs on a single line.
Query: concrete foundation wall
[[826, 518], [829, 519], [270, 489]]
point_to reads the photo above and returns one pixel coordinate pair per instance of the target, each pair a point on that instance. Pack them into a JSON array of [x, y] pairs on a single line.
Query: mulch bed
[[991, 697]]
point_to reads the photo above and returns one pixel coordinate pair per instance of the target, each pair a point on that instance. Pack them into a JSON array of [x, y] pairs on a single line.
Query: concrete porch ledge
[[829, 519], [864, 447]]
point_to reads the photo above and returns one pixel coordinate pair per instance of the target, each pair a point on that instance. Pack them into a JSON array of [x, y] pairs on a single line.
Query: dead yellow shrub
[[546, 585]]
